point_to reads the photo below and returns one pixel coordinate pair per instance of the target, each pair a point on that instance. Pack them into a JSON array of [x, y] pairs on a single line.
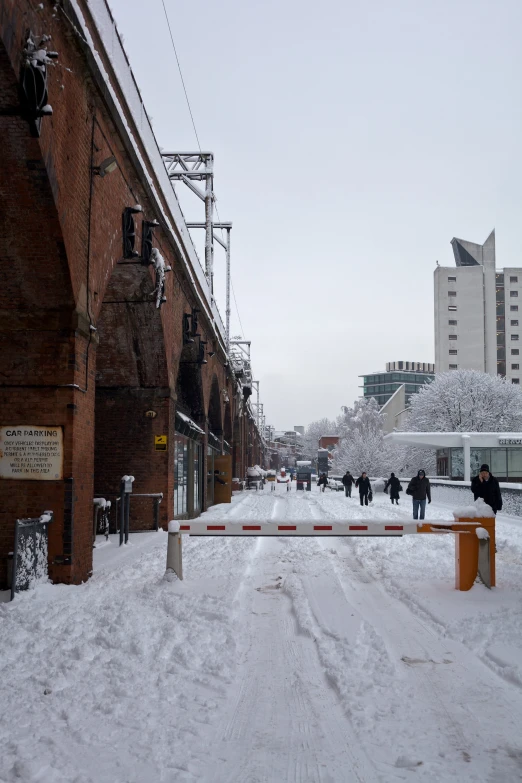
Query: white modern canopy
[[465, 440]]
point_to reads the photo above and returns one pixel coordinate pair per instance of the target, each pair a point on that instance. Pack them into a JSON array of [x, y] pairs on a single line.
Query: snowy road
[[277, 659]]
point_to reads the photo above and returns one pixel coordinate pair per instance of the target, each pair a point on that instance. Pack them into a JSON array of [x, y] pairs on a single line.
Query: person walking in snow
[[348, 480], [365, 488], [395, 487], [323, 481], [486, 486], [419, 488]]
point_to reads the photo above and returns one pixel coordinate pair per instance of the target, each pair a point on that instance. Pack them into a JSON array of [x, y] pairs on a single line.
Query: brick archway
[[133, 405], [44, 329]]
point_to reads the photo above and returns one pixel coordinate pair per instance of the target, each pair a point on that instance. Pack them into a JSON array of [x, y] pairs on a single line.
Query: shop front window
[[180, 476], [479, 457], [197, 476], [514, 463], [457, 463], [210, 476], [498, 462]]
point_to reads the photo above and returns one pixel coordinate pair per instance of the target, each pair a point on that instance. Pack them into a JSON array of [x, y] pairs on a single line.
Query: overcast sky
[[352, 141]]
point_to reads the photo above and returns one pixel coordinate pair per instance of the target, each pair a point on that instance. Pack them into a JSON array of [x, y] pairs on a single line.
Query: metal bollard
[[174, 555], [125, 493]]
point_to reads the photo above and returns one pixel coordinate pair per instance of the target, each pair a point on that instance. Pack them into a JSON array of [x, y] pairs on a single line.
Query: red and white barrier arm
[[298, 527], [466, 567]]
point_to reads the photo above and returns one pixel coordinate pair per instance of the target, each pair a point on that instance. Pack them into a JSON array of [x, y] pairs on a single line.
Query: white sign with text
[[31, 452]]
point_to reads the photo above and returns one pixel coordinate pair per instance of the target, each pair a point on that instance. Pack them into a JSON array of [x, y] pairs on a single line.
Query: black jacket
[[395, 487], [348, 479], [489, 491], [363, 484], [322, 480], [419, 488]]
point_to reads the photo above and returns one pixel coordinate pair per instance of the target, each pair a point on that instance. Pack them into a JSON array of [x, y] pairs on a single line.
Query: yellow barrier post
[[467, 547], [467, 550]]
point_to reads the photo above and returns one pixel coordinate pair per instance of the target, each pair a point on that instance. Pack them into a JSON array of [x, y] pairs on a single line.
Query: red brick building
[[328, 442], [84, 348]]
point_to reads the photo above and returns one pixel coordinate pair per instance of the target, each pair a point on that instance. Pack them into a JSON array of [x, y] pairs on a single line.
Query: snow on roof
[[189, 421], [454, 438]]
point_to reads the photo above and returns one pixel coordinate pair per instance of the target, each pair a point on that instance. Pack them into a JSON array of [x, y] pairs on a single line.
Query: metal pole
[[127, 516], [228, 294], [209, 208], [15, 559], [122, 511], [156, 513], [35, 558]]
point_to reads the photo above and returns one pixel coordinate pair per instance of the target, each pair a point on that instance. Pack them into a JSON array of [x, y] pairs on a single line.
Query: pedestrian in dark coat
[[348, 480], [364, 486], [323, 481], [486, 486], [419, 488], [395, 487]]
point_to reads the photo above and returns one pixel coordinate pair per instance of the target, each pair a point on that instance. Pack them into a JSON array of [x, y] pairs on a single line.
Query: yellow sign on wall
[[160, 442]]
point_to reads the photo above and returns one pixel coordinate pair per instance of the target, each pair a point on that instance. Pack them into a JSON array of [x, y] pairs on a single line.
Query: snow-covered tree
[[466, 401], [314, 431], [362, 445]]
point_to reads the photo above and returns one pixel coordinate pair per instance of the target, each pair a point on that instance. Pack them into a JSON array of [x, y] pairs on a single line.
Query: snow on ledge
[[476, 509]]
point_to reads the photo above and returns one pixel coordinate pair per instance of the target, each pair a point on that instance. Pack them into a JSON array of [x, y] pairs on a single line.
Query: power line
[[181, 74], [237, 308], [196, 134]]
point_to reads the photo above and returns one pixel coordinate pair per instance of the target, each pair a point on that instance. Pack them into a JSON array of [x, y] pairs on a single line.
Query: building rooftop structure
[[503, 450], [383, 385]]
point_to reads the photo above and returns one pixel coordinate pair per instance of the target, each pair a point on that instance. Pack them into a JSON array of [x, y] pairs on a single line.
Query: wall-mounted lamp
[[201, 353], [187, 329], [129, 231], [107, 166], [211, 353]]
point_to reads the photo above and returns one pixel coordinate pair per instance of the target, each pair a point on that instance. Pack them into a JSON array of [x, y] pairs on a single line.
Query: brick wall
[[82, 345]]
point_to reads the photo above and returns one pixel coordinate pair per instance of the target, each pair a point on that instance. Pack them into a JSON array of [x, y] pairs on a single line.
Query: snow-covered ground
[[311, 660]]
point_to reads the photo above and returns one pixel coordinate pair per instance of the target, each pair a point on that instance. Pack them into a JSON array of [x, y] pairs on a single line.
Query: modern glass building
[[383, 385]]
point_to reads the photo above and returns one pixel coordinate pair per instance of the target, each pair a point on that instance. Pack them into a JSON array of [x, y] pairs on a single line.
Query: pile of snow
[[477, 509], [335, 485], [482, 532], [256, 472], [378, 484], [173, 526]]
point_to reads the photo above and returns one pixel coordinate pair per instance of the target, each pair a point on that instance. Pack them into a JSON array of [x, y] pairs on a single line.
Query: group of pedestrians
[[484, 486], [362, 484]]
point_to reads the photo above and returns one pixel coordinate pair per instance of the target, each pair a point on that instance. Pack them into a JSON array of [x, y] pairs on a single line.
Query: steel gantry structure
[[191, 167]]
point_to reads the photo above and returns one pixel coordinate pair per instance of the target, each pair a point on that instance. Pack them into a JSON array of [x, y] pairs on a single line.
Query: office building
[[477, 312], [383, 385]]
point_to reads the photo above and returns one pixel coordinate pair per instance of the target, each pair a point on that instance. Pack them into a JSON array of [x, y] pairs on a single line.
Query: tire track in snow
[[284, 723], [453, 686]]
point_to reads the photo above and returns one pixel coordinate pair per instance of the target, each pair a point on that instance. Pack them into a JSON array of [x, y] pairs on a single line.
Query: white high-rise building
[[477, 312]]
